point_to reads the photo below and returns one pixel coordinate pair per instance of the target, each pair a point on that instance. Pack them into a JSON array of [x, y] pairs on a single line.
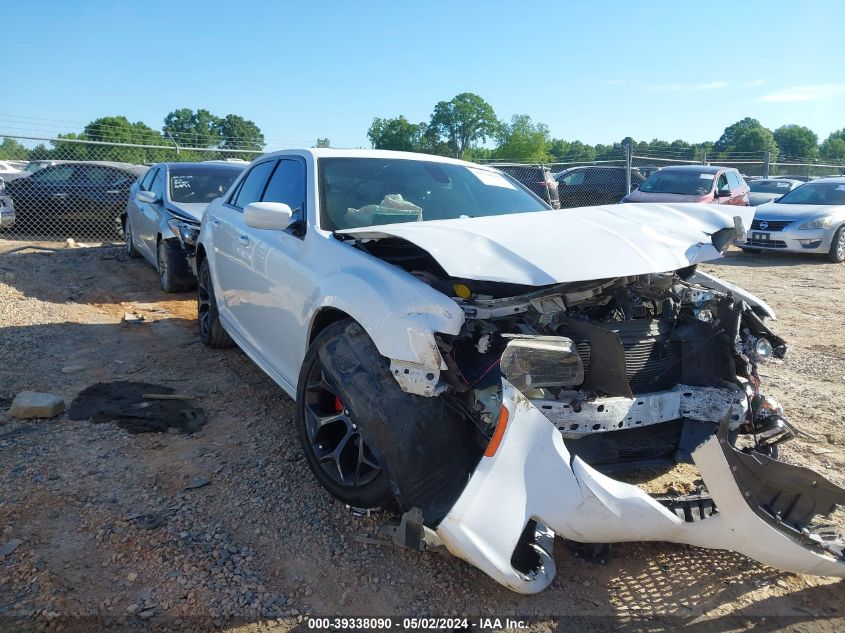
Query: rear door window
[[734, 180], [574, 178], [58, 175], [253, 185]]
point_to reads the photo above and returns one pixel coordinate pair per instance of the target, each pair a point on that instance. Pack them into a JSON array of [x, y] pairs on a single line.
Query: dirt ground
[[110, 536]]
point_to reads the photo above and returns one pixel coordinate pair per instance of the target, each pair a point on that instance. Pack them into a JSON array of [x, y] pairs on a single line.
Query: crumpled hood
[[580, 244], [190, 209]]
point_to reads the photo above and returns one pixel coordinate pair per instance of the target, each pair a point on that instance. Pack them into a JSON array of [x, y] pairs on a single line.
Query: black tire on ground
[[211, 329], [127, 236], [422, 447], [173, 271], [837, 247], [751, 251]]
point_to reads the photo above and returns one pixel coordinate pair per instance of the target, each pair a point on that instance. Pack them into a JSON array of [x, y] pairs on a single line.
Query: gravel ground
[[109, 535]]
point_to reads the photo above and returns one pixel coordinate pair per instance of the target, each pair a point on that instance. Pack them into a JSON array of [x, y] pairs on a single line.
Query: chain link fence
[[58, 188], [55, 189]]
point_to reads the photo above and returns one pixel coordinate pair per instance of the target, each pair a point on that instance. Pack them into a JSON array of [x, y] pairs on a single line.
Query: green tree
[[115, 129], [747, 135], [323, 142], [396, 134], [523, 140], [237, 132], [833, 147], [462, 122], [193, 129], [796, 141], [11, 149]]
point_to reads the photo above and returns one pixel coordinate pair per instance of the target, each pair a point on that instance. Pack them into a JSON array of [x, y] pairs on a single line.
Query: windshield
[[202, 186], [769, 186], [688, 183], [816, 193], [357, 192]]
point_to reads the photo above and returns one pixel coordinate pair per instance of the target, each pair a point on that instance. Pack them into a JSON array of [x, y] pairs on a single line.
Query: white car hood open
[[579, 244]]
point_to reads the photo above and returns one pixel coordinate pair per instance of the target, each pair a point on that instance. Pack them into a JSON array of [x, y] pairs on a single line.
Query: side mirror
[[275, 216], [723, 193], [146, 196]]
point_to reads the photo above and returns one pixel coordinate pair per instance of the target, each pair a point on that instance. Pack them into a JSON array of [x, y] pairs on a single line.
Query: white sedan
[[808, 219], [497, 370]]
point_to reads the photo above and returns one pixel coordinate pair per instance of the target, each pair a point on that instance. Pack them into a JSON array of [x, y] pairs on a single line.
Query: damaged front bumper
[[531, 487]]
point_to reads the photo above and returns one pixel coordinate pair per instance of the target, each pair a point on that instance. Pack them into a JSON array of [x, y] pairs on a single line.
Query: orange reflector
[[498, 434]]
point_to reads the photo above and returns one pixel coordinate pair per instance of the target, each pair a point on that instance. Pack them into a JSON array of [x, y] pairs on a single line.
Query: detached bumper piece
[[532, 486]]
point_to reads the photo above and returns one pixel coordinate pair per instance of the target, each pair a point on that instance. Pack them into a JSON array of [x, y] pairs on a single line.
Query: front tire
[[211, 329], [131, 251], [173, 272], [837, 247], [353, 419]]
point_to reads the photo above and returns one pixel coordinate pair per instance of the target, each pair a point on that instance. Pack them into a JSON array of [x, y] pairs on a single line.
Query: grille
[[766, 243], [652, 361], [771, 225]]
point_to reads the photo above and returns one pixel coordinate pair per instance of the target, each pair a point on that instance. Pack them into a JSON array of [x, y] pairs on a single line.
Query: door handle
[[215, 223], [243, 239]]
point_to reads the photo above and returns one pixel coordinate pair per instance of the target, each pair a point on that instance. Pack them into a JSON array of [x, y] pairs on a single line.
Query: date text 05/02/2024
[[419, 623]]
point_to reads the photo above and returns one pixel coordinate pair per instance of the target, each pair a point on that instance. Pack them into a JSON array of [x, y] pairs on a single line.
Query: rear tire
[[837, 247], [422, 447], [211, 329], [173, 272], [128, 237]]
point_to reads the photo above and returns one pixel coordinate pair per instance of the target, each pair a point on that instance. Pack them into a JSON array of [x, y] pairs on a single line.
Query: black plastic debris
[[123, 403]]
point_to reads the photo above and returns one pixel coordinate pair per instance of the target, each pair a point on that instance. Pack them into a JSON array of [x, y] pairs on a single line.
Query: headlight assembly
[[819, 223], [542, 361], [186, 232]]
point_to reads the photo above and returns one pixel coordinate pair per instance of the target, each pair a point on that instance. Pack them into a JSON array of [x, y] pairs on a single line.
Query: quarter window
[[253, 184]]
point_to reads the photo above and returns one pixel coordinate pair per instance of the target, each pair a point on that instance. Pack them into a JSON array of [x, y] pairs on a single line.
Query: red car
[[692, 183]]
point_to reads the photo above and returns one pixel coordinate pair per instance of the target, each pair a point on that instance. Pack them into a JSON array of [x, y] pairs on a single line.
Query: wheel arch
[[322, 319]]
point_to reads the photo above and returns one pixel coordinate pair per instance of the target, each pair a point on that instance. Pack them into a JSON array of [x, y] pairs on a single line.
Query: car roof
[[204, 167], [839, 180], [580, 167], [331, 152], [130, 167], [701, 169]]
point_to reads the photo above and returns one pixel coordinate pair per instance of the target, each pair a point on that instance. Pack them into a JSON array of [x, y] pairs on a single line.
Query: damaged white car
[[501, 371]]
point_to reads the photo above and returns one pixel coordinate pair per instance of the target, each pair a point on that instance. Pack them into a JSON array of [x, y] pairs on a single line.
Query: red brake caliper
[[338, 405]]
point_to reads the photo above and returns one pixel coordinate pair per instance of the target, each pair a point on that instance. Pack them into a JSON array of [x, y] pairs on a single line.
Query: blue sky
[[594, 71]]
